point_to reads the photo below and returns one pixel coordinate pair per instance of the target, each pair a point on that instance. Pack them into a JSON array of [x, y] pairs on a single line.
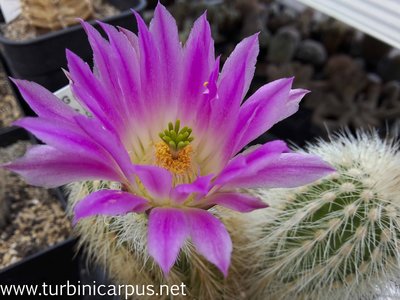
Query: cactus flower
[[168, 126]]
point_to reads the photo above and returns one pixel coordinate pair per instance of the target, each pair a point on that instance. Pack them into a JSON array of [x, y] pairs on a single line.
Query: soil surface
[[9, 109], [20, 29], [36, 219]]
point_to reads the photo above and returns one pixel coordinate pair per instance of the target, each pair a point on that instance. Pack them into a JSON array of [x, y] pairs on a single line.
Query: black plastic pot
[[11, 135], [57, 265], [54, 265], [42, 59]]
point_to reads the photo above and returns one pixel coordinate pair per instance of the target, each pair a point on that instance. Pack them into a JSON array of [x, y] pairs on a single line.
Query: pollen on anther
[[179, 164]]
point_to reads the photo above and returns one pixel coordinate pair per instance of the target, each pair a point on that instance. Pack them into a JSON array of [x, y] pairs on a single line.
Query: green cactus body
[[336, 238]]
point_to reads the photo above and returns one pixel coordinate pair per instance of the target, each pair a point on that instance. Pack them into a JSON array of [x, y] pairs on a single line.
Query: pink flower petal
[[200, 186], [117, 71], [126, 67], [168, 230], [165, 34], [289, 170], [90, 92], [157, 181], [235, 79], [43, 102], [109, 142], [210, 94], [212, 84], [237, 201], [210, 238], [132, 38], [103, 63], [48, 167], [238, 70], [109, 203], [149, 65], [295, 96], [65, 136], [269, 105], [251, 162], [199, 59]]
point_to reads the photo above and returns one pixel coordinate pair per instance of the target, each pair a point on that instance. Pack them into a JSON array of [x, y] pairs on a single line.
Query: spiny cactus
[[55, 14], [119, 245], [337, 238]]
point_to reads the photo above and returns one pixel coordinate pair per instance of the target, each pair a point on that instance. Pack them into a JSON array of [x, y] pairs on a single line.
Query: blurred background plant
[[55, 14]]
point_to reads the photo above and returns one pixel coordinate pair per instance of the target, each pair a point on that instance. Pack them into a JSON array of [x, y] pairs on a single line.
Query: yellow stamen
[[180, 163], [205, 84]]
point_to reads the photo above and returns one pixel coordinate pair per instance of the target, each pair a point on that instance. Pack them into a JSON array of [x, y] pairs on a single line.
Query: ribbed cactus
[[55, 14], [339, 237], [119, 246]]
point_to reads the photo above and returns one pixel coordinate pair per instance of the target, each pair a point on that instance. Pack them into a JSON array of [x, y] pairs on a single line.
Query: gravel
[[9, 109], [36, 218]]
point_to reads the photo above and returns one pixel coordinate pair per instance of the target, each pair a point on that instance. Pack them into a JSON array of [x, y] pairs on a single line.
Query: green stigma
[[176, 138]]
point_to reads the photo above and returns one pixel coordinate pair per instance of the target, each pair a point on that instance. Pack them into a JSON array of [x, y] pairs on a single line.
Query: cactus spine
[[119, 245], [337, 238]]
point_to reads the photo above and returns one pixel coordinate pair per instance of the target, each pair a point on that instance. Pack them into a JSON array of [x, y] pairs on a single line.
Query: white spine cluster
[[119, 246], [337, 238]]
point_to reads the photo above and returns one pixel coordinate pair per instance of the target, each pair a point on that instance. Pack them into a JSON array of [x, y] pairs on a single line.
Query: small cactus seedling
[[55, 14], [337, 238]]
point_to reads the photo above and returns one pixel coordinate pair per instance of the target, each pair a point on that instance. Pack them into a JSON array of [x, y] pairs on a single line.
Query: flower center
[[174, 152]]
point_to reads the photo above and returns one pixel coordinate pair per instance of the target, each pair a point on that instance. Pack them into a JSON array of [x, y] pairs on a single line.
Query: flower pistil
[[174, 152]]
